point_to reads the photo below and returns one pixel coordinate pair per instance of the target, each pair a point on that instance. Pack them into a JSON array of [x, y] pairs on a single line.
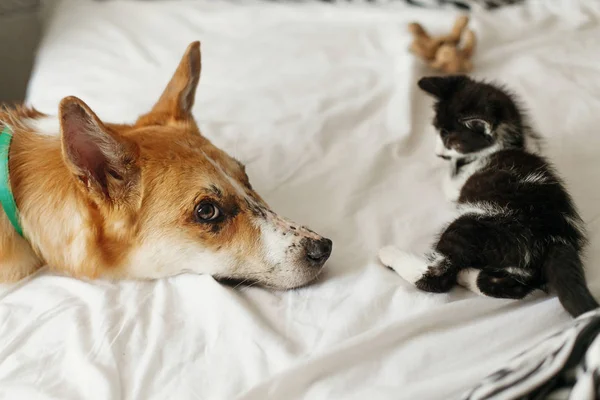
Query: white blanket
[[321, 103]]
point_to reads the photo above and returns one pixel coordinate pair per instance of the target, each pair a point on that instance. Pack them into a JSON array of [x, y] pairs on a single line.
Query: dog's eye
[[207, 212], [444, 132]]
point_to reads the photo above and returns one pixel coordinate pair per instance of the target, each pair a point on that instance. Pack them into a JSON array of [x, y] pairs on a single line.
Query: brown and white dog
[[143, 201]]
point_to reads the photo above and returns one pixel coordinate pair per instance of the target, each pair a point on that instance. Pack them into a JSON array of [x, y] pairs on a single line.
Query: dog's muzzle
[[317, 251]]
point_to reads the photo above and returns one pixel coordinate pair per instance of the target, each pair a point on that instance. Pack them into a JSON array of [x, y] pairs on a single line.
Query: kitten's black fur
[[519, 227]]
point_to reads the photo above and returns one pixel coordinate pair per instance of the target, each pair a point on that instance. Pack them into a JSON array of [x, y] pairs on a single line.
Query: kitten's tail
[[564, 271]]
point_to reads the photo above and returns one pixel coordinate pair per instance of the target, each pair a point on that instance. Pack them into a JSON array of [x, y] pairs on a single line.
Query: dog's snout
[[318, 251]]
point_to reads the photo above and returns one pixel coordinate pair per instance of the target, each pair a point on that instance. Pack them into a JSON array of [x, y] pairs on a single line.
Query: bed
[[319, 100]]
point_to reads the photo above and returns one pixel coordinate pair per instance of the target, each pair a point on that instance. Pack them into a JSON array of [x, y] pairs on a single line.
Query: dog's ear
[[442, 87], [102, 161], [178, 97]]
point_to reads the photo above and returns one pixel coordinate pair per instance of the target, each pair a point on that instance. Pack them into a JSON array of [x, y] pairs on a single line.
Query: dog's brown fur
[[117, 201]]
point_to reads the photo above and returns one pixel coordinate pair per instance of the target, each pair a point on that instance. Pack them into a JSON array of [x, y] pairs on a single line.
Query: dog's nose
[[318, 251]]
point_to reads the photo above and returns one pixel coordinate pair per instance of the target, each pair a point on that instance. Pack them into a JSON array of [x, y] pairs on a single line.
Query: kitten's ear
[[442, 87], [479, 125]]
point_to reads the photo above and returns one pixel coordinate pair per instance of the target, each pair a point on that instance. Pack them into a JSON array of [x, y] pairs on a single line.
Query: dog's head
[[166, 200]]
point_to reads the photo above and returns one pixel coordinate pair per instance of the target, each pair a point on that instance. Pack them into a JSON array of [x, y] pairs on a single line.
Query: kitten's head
[[473, 117]]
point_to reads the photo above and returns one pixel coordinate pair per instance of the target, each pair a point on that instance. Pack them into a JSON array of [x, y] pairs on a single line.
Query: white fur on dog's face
[[252, 243], [282, 243]]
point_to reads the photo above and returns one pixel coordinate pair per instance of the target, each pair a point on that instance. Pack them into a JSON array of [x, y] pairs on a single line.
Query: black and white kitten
[[517, 229]]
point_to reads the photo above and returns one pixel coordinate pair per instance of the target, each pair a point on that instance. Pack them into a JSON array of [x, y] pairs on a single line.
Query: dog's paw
[[407, 265]]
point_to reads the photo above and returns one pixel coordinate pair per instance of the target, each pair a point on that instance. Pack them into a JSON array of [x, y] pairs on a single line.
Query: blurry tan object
[[443, 52]]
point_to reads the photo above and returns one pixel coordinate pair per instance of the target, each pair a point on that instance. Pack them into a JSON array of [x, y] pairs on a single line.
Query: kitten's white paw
[[390, 255], [467, 278], [409, 266]]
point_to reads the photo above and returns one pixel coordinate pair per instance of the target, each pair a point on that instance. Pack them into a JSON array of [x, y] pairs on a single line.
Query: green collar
[[6, 197]]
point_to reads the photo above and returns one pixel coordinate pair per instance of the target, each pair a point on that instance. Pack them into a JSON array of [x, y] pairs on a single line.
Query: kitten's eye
[[444, 132], [207, 212], [478, 125], [473, 124]]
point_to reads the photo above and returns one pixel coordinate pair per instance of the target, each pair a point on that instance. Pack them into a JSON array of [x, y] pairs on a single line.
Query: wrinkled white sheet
[[320, 101]]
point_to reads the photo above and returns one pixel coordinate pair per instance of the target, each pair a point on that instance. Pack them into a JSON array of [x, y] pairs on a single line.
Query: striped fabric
[[566, 365], [463, 4], [456, 4]]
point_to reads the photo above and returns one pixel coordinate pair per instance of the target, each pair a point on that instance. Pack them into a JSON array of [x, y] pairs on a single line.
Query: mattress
[[320, 101]]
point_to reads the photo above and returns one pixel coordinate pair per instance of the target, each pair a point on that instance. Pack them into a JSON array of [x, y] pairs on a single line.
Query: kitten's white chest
[[455, 180], [452, 186]]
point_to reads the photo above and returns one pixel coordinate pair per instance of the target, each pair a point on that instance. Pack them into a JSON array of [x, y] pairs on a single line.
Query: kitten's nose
[[318, 251]]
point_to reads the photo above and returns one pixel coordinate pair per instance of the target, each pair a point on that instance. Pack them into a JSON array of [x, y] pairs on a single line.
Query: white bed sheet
[[320, 101]]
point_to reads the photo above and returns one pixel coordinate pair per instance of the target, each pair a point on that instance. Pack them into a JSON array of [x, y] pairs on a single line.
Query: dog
[[143, 201]]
